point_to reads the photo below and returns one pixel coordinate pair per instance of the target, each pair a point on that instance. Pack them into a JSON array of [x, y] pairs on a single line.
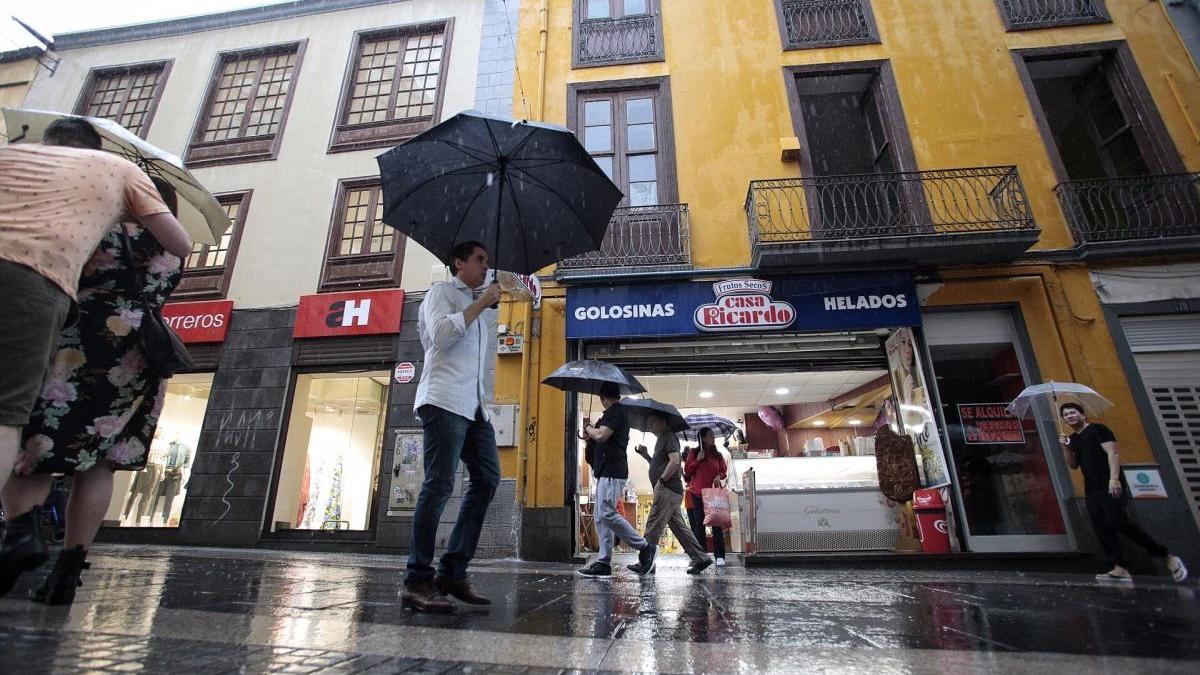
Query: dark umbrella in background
[[638, 412], [588, 375], [529, 192]]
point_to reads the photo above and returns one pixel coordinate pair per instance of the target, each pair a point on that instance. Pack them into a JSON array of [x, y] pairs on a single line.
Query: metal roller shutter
[[1167, 352]]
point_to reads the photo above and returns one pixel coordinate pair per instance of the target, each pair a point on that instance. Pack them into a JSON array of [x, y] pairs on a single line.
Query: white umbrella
[[199, 212], [1057, 393]]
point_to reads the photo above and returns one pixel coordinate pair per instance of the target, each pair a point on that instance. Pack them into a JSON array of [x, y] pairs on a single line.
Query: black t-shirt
[[1093, 461], [611, 461], [659, 460]]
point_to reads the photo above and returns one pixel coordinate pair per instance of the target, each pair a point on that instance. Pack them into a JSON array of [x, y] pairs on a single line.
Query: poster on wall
[[916, 411], [408, 470], [990, 424]]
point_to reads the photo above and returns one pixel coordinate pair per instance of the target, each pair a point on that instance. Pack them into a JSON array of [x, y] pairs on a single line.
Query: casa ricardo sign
[[350, 313], [199, 322], [743, 305]]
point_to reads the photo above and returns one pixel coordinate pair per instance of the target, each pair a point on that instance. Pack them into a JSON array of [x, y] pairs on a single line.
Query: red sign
[[405, 372], [352, 313], [197, 322], [988, 423]]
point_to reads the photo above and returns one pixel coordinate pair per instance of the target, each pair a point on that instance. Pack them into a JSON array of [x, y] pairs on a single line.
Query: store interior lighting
[[706, 394], [782, 391]]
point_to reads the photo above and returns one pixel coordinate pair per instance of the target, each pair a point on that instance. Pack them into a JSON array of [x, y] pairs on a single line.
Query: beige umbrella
[[199, 212]]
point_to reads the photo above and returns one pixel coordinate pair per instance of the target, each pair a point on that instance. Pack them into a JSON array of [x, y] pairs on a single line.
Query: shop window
[[394, 86], [154, 496], [246, 106], [331, 456], [207, 270], [127, 95], [363, 252], [1004, 475]]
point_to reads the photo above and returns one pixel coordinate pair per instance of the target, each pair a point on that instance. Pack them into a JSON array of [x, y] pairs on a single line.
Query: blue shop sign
[[808, 303]]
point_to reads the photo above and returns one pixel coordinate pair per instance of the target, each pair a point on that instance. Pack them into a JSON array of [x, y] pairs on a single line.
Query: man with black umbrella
[[611, 469], [455, 332]]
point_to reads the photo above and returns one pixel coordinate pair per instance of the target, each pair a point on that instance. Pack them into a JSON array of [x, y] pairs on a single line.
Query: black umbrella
[[527, 191], [639, 410], [588, 375]]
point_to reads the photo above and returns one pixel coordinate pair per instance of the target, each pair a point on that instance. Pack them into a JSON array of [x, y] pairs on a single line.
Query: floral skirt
[[100, 400]]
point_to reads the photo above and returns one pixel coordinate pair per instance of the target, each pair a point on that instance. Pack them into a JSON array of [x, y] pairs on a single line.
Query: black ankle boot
[[59, 587], [23, 548]]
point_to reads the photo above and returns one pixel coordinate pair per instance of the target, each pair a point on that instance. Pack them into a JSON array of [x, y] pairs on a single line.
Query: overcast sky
[[65, 16]]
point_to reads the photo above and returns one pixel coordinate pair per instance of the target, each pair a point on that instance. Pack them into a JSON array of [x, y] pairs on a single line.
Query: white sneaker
[[721, 563], [1114, 575], [1177, 569]]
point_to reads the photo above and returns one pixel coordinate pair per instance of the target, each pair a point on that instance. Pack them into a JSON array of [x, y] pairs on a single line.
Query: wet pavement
[[181, 610]]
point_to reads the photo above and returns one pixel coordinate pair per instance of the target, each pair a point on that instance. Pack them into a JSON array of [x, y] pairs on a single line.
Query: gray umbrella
[[639, 410], [588, 375]]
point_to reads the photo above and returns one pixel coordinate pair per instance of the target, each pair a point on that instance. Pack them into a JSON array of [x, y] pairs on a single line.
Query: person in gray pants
[[666, 477]]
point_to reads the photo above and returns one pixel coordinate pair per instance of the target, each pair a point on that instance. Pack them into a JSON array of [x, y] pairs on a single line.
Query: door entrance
[[1009, 472]]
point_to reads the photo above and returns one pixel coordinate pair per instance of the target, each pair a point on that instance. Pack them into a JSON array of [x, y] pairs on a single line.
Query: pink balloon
[[770, 417]]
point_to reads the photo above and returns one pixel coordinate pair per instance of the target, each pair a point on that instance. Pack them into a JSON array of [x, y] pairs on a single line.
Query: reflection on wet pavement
[[208, 610]]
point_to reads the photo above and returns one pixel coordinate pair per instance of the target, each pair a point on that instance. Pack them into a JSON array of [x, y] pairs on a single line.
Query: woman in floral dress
[[100, 403]]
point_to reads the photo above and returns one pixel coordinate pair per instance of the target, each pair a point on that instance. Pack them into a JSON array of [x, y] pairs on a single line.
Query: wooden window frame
[[387, 267], [578, 15], [868, 14], [351, 137], [1101, 7], [212, 283], [889, 101], [242, 149], [1160, 151], [89, 87], [660, 87]]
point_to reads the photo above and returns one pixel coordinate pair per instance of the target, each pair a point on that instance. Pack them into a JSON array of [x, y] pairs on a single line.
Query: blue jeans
[[449, 438]]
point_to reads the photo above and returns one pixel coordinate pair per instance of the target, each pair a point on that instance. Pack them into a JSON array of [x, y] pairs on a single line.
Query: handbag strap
[[139, 283]]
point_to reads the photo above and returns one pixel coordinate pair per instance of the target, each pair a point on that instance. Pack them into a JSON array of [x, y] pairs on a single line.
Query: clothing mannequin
[[177, 457]]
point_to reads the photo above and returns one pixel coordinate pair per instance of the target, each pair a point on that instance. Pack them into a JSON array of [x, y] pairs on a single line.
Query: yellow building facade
[[749, 91]]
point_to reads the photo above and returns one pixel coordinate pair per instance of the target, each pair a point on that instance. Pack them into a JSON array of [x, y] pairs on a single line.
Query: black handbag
[[165, 352]]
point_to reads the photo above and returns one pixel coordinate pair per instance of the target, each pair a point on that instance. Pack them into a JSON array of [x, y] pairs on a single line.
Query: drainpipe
[[524, 414], [543, 38], [523, 438]]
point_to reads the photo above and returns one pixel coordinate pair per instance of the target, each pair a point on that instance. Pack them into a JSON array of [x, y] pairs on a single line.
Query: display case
[[812, 504]]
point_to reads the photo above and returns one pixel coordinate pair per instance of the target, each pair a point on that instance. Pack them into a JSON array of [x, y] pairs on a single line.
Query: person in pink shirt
[[703, 468]]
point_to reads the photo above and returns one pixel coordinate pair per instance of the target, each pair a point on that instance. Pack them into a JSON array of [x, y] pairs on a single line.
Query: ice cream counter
[[812, 504]]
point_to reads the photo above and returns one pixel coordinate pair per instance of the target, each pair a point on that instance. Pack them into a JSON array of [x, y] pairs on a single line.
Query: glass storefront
[[331, 455], [154, 496], [1005, 479]]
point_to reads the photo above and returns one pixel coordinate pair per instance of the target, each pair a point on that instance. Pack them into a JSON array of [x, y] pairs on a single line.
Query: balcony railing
[[649, 238], [887, 205], [1020, 14], [1137, 208], [627, 40], [824, 23]]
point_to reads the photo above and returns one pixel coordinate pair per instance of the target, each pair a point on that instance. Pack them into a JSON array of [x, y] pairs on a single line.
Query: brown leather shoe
[[422, 597], [460, 589]]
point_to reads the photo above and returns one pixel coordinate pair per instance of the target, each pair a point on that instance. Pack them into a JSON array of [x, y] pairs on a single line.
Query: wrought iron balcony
[[645, 238], [632, 39], [1022, 14], [1137, 210], [922, 217], [826, 23]]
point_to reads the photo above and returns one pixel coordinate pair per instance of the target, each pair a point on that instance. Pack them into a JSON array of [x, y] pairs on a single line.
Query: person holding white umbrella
[[1092, 448], [57, 201]]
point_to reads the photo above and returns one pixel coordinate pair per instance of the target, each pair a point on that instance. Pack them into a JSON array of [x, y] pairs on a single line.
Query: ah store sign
[[807, 303]]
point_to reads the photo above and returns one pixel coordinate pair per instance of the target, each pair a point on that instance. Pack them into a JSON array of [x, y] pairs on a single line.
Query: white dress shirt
[[455, 353]]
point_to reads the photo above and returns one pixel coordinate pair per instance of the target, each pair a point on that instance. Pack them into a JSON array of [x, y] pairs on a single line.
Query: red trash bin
[[931, 521]]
